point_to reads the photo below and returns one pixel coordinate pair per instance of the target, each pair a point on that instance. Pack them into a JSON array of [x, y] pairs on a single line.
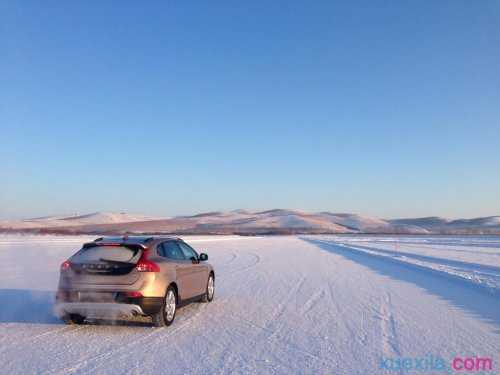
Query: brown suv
[[127, 276]]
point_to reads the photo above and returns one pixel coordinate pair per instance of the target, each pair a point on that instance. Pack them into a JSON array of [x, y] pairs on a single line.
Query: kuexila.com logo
[[427, 363], [436, 363]]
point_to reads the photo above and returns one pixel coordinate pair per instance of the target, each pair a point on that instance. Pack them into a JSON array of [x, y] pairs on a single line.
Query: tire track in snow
[[33, 339], [231, 361], [312, 301], [156, 336], [276, 338], [340, 309], [113, 355], [233, 257], [279, 311], [390, 341], [256, 260], [85, 362]]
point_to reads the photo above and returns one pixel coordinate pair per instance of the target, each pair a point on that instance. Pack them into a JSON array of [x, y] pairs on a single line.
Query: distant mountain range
[[278, 221]]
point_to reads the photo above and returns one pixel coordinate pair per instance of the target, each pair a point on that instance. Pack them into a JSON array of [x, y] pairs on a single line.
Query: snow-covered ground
[[473, 260], [305, 304]]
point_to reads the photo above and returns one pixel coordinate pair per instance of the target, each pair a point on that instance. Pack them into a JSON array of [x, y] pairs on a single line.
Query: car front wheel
[[210, 290]]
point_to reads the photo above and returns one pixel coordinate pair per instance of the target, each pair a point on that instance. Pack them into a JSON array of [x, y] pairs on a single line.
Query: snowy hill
[[425, 222], [491, 221], [357, 222], [278, 221], [433, 224], [95, 218]]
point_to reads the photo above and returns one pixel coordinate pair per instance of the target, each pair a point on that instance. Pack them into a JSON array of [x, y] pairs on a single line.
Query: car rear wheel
[[73, 319], [210, 290], [166, 315]]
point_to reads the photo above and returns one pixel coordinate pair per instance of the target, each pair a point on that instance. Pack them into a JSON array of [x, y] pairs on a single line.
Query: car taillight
[[133, 294], [145, 265], [65, 265]]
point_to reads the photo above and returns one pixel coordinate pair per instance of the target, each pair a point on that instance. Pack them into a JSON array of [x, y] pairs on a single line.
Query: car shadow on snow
[[36, 307], [462, 294], [132, 322], [27, 306]]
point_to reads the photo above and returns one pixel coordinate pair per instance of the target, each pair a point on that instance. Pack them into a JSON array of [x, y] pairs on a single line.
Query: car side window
[[188, 251], [171, 250]]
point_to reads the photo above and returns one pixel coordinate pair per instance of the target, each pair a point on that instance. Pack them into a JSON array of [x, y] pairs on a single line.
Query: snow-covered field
[[305, 304]]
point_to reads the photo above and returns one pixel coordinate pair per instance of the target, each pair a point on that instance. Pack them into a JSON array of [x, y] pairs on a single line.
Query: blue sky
[[172, 107]]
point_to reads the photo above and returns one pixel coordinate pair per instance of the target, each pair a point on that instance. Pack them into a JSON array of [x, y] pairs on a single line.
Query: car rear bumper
[[98, 309], [105, 303]]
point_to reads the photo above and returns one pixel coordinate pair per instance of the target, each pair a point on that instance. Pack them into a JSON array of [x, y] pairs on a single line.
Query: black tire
[[209, 296], [73, 319], [163, 318]]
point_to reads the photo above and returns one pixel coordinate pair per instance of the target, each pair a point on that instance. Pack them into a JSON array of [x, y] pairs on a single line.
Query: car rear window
[[107, 253]]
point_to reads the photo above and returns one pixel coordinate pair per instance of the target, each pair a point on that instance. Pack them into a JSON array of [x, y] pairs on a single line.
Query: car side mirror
[[203, 257]]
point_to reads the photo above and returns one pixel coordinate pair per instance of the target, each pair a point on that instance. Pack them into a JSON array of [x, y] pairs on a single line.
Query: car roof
[[133, 240]]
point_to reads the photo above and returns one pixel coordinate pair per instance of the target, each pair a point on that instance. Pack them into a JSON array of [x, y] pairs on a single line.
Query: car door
[[199, 270], [183, 268]]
